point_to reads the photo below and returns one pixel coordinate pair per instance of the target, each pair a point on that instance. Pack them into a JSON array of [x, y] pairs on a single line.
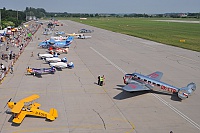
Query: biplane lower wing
[[19, 118], [35, 105]]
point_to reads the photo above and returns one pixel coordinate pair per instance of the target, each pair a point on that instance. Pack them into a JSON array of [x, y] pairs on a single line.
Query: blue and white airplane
[[58, 33], [64, 44], [57, 43], [139, 82]]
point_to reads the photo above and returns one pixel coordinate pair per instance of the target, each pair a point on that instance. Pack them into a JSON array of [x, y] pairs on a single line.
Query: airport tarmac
[[85, 107]]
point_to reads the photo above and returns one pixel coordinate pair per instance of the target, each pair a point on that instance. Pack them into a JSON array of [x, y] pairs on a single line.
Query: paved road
[[180, 21], [85, 107]]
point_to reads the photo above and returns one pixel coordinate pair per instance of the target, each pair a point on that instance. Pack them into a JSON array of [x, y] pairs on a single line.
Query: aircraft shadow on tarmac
[[124, 95], [38, 76], [32, 117], [11, 118]]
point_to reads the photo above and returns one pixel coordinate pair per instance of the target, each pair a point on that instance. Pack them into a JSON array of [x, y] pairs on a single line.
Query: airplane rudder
[[53, 112], [192, 86]]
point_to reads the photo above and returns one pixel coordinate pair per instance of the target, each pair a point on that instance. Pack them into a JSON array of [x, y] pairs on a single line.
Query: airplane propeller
[[8, 102]]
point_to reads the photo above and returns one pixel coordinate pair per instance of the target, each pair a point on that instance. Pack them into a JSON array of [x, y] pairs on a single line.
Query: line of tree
[[15, 18], [11, 17]]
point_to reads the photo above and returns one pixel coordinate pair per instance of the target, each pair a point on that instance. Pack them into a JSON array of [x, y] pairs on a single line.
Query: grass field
[[164, 32]]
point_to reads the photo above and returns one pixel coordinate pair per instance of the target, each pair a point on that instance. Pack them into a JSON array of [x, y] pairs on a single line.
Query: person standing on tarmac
[[102, 80]]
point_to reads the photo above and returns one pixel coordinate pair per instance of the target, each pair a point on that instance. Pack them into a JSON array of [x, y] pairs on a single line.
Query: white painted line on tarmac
[[177, 111], [156, 96], [185, 58], [109, 61]]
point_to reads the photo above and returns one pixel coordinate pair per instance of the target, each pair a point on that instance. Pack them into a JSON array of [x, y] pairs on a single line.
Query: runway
[[85, 107]]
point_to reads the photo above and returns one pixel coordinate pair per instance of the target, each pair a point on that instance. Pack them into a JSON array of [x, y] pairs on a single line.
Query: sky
[[106, 6]]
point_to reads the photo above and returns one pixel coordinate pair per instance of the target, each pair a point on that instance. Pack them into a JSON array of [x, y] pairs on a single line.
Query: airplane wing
[[135, 87], [156, 75], [17, 108], [19, 118], [30, 98], [37, 71], [19, 105], [35, 105], [58, 66]]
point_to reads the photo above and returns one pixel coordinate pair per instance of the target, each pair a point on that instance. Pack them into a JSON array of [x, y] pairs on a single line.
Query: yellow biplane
[[26, 106], [74, 34]]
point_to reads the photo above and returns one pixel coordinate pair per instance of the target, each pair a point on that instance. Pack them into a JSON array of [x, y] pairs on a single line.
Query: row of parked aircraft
[[56, 46], [26, 106]]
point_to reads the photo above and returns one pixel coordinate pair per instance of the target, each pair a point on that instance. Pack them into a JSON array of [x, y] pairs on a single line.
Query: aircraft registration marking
[[41, 114], [168, 89], [132, 86], [154, 75]]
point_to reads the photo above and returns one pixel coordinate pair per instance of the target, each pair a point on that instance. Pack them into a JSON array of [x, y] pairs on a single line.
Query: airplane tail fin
[[52, 114], [64, 59], [187, 91], [53, 69], [70, 65], [69, 39]]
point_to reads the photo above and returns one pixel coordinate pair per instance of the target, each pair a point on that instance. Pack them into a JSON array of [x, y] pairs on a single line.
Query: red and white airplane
[[139, 82], [58, 50]]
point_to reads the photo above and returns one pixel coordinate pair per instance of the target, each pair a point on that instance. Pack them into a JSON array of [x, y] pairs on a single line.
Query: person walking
[[11, 69]]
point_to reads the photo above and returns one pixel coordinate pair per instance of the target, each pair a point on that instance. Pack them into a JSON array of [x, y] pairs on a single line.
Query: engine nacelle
[[126, 78], [185, 92]]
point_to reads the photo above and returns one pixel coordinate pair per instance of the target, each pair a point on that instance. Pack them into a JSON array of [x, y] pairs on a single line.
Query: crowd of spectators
[[12, 46]]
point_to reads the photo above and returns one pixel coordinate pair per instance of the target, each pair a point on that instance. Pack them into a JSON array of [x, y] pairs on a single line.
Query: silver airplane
[[139, 82]]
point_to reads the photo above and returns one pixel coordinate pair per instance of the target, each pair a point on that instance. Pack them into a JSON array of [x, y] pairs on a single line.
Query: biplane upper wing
[[30, 98], [17, 108], [19, 118], [156, 75]]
